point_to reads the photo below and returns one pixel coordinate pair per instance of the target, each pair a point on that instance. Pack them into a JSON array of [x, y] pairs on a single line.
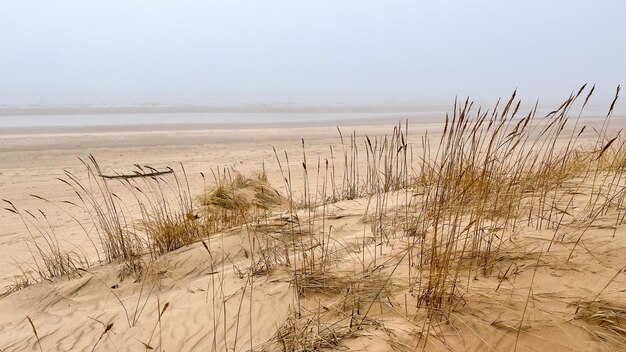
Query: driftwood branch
[[137, 174]]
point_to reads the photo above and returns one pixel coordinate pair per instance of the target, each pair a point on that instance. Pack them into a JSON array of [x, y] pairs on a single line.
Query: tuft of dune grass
[[236, 200]]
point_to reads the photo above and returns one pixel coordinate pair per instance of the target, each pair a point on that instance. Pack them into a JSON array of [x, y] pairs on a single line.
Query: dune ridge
[[496, 230]]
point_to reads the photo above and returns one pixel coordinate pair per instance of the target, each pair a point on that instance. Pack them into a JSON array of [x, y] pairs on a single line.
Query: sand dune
[[330, 272]]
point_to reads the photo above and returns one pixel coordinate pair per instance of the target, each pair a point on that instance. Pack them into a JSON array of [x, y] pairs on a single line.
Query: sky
[[347, 52]]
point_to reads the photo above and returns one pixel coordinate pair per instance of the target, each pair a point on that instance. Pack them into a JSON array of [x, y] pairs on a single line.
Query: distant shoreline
[[148, 128], [107, 123], [142, 127]]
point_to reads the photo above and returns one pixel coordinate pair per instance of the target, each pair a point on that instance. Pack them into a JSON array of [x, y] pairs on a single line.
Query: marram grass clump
[[237, 199]]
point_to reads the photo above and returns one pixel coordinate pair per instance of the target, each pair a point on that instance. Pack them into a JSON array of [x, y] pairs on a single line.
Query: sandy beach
[[221, 292], [32, 160]]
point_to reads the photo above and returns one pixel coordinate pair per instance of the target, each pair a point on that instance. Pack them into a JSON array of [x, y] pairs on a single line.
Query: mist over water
[[14, 121]]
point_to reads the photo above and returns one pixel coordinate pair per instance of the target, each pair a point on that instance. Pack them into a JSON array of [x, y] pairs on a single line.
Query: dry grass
[[236, 200], [610, 317], [489, 176], [117, 234], [316, 330], [49, 258], [349, 291], [451, 214], [310, 334]]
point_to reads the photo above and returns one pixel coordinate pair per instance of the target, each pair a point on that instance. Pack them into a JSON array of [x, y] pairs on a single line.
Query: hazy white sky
[[305, 52]]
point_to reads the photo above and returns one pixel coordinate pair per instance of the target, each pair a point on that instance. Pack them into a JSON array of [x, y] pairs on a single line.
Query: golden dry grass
[[435, 225]]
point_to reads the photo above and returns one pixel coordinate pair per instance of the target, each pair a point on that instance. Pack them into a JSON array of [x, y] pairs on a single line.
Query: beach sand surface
[[207, 310]]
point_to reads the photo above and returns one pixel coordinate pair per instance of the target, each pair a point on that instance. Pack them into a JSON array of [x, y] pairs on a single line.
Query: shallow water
[[122, 119]]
